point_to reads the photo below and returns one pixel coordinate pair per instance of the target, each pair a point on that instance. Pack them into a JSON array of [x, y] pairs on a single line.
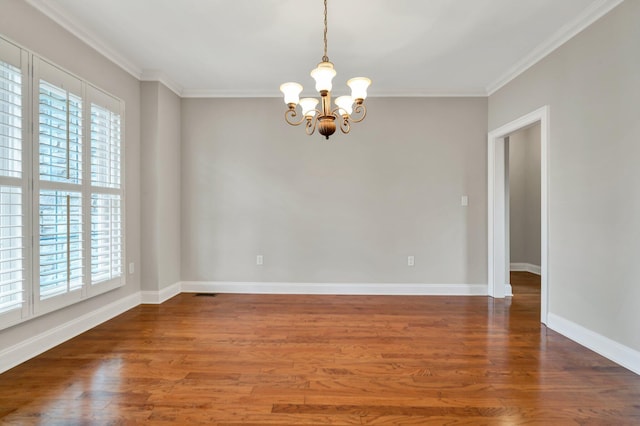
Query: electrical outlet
[[411, 261], [464, 201], [259, 260], [132, 268]]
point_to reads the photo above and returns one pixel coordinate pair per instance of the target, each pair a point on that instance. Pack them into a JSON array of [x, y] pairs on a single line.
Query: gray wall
[[160, 168], [26, 26], [350, 209], [592, 84], [524, 196]]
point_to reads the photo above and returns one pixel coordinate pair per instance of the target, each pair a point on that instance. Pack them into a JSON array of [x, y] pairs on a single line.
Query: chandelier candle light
[[349, 109]]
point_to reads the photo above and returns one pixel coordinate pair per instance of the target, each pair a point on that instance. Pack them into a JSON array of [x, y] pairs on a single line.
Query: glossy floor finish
[[323, 360]]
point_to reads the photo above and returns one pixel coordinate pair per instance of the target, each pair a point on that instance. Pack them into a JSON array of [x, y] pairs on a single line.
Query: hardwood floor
[[323, 360]]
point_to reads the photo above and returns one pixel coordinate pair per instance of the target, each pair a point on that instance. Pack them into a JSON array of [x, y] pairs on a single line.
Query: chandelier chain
[[325, 58]]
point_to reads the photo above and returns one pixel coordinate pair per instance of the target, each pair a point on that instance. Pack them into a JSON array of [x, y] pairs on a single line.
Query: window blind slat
[[60, 134], [11, 249], [106, 237], [12, 273], [10, 121], [105, 147], [61, 244]]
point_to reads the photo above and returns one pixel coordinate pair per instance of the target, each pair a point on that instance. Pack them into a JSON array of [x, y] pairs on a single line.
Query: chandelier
[[349, 109]]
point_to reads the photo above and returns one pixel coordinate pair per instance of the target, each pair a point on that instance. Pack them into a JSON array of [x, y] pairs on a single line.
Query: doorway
[[498, 207], [523, 182]]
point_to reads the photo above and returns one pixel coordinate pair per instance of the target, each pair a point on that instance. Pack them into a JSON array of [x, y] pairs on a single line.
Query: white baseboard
[[157, 297], [616, 352], [526, 267], [34, 346], [335, 288], [508, 290]]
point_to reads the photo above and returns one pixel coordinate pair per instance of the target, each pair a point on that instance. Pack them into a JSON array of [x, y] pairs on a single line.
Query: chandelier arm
[[360, 112], [310, 127], [293, 114], [345, 126]]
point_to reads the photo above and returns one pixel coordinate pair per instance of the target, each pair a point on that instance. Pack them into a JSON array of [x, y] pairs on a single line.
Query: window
[[13, 184], [60, 242], [106, 237], [60, 187], [60, 134], [106, 191]]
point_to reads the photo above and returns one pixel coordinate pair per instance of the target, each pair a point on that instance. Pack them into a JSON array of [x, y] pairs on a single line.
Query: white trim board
[[525, 267], [86, 35], [416, 93], [498, 263], [610, 349], [158, 297], [34, 346], [373, 289], [595, 11], [161, 77]]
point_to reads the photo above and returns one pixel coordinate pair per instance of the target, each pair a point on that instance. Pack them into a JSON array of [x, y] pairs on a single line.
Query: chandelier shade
[[291, 92], [308, 106], [345, 103], [325, 118], [323, 76], [359, 87]]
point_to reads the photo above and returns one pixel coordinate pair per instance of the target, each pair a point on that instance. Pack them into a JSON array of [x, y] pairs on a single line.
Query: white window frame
[[12, 54], [33, 69], [104, 100], [43, 70]]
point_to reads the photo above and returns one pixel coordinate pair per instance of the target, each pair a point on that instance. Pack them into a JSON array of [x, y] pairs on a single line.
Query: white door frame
[[498, 279]]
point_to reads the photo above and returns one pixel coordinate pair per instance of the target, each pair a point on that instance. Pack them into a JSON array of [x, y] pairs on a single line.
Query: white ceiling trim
[[48, 8], [211, 93], [594, 12], [160, 76], [597, 9], [418, 93]]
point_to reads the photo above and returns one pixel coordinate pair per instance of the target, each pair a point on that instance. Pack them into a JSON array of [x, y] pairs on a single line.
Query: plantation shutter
[[60, 194], [62, 221], [13, 184], [107, 248]]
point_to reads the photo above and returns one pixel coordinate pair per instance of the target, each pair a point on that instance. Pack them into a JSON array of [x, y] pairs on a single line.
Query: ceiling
[[241, 48]]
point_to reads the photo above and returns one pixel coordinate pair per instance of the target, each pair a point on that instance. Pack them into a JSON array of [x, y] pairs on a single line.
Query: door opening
[[498, 206], [523, 206]]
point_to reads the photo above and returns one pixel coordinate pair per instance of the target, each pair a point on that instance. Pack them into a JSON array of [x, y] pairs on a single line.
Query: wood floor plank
[[323, 360]]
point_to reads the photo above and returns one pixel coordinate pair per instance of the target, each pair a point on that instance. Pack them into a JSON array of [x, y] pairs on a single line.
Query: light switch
[[464, 201]]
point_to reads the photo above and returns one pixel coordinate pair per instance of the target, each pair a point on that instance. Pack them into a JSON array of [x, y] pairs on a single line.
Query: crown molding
[[232, 93], [161, 77], [595, 11], [49, 9], [418, 93], [430, 93]]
